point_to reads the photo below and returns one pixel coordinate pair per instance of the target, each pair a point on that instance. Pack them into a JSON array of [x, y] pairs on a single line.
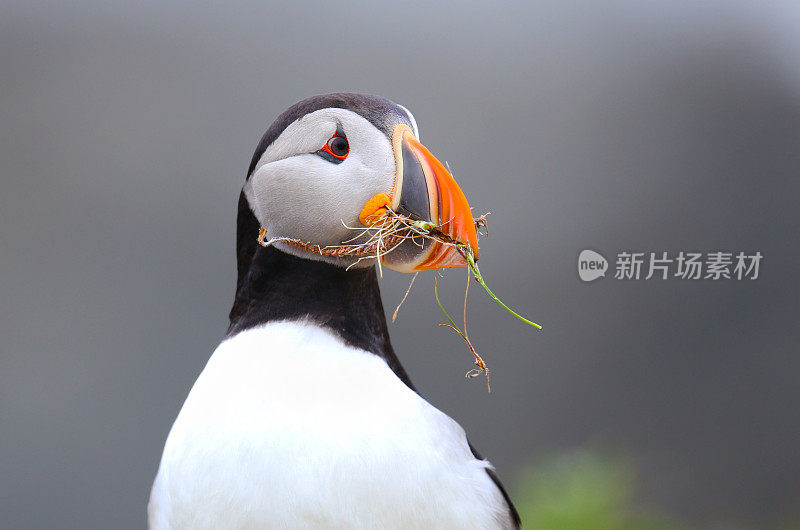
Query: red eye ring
[[337, 146]]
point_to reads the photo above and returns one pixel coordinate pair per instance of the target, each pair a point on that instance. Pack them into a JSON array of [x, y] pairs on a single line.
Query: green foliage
[[583, 491]]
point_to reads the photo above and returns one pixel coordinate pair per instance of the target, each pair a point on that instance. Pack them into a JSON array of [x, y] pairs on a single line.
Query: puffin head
[[332, 163]]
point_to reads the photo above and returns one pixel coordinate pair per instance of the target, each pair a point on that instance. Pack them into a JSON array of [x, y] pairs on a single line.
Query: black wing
[[492, 475]]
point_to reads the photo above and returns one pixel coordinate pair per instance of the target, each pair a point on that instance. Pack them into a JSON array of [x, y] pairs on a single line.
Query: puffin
[[303, 416]]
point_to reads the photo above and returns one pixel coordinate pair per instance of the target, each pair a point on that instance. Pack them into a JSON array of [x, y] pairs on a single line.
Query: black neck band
[[273, 286]]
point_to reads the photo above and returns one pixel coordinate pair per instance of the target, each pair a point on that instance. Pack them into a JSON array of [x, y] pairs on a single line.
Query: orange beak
[[426, 191]]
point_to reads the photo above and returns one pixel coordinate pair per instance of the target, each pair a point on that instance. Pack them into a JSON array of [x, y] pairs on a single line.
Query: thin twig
[[466, 292], [410, 285], [479, 362]]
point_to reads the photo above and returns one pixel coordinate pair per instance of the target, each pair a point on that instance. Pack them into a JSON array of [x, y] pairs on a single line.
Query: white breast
[[288, 427]]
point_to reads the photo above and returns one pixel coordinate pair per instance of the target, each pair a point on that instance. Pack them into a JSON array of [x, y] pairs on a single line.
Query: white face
[[296, 193]]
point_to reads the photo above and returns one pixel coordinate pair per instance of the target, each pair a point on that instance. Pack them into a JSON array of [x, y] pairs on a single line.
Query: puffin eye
[[339, 146], [336, 149]]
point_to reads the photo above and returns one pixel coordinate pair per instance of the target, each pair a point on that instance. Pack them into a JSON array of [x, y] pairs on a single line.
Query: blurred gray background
[[125, 134]]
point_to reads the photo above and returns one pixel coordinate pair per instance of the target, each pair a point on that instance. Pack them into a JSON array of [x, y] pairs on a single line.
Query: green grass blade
[[473, 267], [436, 293]]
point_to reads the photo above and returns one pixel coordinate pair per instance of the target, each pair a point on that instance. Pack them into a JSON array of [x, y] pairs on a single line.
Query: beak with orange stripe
[[424, 190]]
